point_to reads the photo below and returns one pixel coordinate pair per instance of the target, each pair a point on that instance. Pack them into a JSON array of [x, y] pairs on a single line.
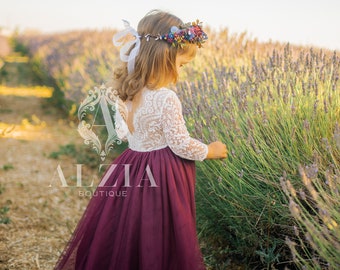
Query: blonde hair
[[155, 64]]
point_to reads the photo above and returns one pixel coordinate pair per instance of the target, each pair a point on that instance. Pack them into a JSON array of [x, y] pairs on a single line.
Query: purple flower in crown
[[170, 37], [189, 32], [190, 35]]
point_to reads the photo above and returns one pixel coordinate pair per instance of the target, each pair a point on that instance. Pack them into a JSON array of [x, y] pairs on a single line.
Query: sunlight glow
[[37, 91]]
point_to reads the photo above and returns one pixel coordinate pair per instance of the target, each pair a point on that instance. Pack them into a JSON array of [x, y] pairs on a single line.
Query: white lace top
[[158, 122]]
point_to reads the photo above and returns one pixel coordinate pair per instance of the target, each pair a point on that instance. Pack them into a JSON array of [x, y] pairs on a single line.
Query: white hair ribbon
[[124, 56]]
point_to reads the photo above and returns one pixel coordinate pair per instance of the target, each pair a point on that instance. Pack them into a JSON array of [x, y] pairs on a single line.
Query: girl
[[143, 216]]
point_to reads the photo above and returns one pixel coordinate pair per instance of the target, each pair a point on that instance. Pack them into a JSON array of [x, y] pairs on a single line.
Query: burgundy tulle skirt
[[141, 216]]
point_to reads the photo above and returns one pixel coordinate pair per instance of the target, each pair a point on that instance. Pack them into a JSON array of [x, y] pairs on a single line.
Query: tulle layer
[[141, 216]]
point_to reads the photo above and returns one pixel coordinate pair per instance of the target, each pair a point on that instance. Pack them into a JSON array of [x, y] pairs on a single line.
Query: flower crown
[[177, 37], [190, 32]]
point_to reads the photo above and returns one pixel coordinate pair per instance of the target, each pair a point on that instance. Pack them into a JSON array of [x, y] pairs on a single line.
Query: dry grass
[[41, 217]]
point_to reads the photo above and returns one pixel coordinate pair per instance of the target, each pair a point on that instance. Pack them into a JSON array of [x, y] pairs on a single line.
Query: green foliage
[[68, 150], [18, 46], [217, 254], [2, 188], [268, 256], [7, 167], [58, 99], [23, 71], [32, 72], [17, 63], [4, 219], [83, 154]]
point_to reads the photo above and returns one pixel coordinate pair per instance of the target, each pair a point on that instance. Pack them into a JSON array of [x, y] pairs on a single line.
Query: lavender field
[[274, 203]]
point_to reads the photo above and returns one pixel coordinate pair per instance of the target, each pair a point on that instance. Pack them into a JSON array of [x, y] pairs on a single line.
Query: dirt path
[[36, 219]]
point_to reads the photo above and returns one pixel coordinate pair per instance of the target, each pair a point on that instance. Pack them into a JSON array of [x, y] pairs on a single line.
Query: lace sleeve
[[176, 133], [120, 120]]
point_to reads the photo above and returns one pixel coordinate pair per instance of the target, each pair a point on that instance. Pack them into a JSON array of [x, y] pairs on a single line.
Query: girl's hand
[[217, 150]]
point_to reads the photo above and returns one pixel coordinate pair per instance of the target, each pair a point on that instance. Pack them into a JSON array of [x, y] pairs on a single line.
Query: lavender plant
[[273, 115], [315, 208]]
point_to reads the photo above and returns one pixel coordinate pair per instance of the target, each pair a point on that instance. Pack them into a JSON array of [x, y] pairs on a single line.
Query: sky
[[301, 22]]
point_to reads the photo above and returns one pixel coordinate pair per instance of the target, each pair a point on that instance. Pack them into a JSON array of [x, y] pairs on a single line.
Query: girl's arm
[[177, 135]]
